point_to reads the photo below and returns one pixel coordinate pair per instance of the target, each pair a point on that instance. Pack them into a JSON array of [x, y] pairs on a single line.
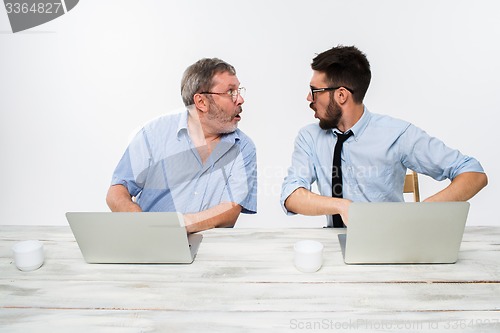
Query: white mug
[[308, 255], [28, 255]]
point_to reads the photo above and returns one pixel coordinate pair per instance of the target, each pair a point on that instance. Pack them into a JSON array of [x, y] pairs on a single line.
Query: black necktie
[[337, 175]]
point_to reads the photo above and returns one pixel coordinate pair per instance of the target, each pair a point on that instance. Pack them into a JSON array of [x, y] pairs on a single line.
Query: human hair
[[199, 77], [345, 66]]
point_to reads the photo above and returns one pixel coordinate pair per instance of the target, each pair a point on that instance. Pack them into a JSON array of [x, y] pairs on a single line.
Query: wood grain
[[244, 280]]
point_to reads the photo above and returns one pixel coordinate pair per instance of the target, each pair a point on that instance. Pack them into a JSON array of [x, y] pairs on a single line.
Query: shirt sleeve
[[302, 172], [132, 169], [430, 156]]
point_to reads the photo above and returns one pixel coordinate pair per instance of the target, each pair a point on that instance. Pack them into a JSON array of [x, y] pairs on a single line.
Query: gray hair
[[199, 77]]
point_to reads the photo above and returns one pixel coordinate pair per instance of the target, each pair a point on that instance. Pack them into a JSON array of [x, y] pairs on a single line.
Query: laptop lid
[[404, 233], [145, 238]]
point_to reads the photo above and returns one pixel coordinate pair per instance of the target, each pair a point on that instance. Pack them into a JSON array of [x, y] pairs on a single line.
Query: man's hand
[[344, 205]]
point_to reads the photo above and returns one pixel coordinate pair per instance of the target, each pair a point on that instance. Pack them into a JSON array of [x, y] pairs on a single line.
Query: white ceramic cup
[[308, 255], [28, 255]]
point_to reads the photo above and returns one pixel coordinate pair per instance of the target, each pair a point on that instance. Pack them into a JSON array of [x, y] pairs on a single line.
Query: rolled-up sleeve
[[302, 172], [132, 169], [430, 156]]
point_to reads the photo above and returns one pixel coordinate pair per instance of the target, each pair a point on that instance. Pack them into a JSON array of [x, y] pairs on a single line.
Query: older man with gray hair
[[196, 162]]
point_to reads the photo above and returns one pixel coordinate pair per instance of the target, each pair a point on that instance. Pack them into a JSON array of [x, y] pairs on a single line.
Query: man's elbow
[[231, 223], [473, 182], [234, 214], [288, 206], [110, 198], [119, 199], [293, 201], [482, 180]]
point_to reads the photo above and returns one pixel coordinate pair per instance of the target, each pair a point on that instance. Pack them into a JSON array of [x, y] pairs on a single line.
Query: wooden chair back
[[411, 185]]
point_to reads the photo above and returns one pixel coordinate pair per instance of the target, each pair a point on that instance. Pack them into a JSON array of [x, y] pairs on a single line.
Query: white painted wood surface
[[243, 280]]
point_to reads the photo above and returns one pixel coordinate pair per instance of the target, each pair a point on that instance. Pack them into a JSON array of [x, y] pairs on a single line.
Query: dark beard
[[333, 113]]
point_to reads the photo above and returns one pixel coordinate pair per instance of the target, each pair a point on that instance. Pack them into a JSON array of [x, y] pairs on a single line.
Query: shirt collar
[[183, 127], [231, 137], [183, 124], [360, 125]]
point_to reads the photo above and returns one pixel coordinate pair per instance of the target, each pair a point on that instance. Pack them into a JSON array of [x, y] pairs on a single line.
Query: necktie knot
[[343, 137]]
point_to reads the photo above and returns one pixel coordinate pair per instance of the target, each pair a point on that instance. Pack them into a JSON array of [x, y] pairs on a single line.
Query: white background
[[72, 91]]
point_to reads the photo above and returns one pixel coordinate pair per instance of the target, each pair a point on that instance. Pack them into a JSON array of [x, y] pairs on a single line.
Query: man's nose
[[240, 100], [309, 97]]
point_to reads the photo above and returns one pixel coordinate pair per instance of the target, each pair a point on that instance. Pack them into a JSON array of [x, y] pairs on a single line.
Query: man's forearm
[[119, 200], [462, 188], [220, 216], [305, 202]]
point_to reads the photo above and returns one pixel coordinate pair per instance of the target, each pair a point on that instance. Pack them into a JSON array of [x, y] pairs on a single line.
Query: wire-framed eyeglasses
[[234, 93]]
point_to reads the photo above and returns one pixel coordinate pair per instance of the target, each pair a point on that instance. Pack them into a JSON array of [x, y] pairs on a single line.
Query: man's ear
[[200, 102], [342, 94]]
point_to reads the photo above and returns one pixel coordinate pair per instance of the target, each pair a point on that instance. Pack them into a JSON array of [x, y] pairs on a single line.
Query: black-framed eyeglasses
[[315, 90], [234, 93]]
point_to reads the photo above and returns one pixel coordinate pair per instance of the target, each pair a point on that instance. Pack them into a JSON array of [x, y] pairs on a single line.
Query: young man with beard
[[197, 162], [377, 150]]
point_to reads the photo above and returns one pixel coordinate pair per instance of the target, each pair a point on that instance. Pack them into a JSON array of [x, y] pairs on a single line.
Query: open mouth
[[237, 116]]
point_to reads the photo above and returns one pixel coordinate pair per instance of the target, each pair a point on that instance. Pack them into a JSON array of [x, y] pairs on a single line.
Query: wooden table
[[243, 280]]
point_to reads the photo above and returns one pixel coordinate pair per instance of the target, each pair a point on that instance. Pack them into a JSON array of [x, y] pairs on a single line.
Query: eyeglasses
[[315, 90], [234, 93]]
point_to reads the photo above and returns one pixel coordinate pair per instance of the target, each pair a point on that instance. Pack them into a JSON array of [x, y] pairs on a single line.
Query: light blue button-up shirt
[[374, 160], [163, 170]]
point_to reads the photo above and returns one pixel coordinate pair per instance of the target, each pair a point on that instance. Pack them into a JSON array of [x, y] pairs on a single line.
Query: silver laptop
[[133, 238], [404, 233]]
